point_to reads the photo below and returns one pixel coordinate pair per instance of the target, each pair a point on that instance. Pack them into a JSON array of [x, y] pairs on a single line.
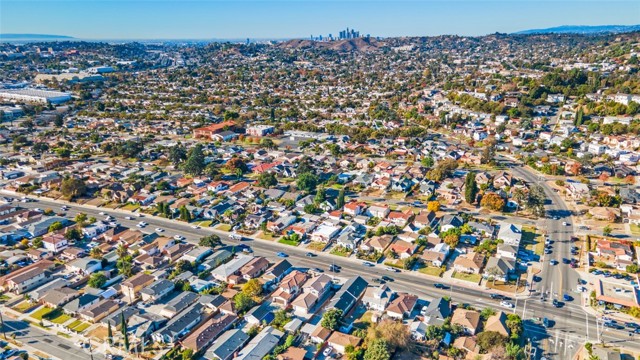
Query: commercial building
[[35, 96]]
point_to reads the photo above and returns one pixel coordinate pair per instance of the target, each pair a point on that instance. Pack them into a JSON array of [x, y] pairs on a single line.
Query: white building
[[35, 95]]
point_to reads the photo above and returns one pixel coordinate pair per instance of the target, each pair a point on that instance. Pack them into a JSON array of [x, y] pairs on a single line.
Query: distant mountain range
[[5, 37], [583, 29]]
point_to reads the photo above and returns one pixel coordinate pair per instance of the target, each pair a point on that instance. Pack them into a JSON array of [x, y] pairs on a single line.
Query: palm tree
[[121, 251], [513, 351]]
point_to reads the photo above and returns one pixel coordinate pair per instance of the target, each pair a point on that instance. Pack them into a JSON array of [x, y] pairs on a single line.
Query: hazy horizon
[[211, 19]]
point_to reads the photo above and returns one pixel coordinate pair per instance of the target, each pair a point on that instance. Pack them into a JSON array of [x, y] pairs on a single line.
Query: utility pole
[[90, 349]]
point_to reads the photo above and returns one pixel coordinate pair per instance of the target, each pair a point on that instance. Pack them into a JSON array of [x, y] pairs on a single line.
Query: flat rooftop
[[616, 293]]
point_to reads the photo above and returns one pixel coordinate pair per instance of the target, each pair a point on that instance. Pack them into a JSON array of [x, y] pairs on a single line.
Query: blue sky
[[206, 19]]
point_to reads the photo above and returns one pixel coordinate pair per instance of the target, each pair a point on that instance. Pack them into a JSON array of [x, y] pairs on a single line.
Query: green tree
[[73, 234], [56, 226], [72, 187], [81, 218], [487, 340], [320, 196], [194, 165], [210, 241], [377, 350], [97, 280], [307, 182], [125, 332], [125, 266], [331, 319], [268, 144], [37, 242], [185, 214], [607, 230], [177, 154], [471, 188], [267, 180], [243, 302], [513, 351], [340, 199]]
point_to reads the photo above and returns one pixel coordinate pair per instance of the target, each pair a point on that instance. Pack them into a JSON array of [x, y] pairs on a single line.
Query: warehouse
[[35, 95]]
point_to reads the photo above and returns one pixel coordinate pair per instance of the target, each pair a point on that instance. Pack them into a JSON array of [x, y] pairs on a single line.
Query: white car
[[129, 217], [102, 213], [565, 223], [178, 237], [327, 351], [389, 268], [506, 304], [159, 229], [195, 227]]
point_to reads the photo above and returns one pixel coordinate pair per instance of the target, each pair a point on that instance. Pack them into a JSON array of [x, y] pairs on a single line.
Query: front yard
[[42, 312], [78, 326], [635, 229], [317, 246], [431, 270], [24, 306], [289, 242], [223, 227], [341, 251], [474, 278]]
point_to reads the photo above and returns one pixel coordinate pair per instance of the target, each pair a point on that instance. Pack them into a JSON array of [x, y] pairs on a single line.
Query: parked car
[[368, 264], [178, 237], [309, 254], [546, 323], [327, 351], [389, 268]]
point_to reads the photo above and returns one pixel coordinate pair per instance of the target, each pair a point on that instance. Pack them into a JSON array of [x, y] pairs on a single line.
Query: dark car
[[546, 323], [310, 254], [567, 297], [632, 325], [557, 303], [566, 261], [386, 278], [334, 268], [496, 296], [439, 286]]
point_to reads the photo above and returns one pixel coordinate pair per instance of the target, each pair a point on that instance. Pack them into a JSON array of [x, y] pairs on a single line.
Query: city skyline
[[297, 19]]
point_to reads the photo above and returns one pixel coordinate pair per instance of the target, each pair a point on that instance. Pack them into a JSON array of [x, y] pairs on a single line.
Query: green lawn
[[4, 298], [60, 319], [475, 278], [288, 242], [341, 251], [635, 229], [78, 326], [224, 227], [42, 312], [205, 223], [431, 270]]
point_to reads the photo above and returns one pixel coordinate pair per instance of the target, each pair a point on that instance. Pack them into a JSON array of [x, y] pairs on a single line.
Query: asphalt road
[[561, 278], [40, 340], [570, 320]]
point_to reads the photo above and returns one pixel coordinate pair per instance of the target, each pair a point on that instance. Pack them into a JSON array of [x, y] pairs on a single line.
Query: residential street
[[570, 320]]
